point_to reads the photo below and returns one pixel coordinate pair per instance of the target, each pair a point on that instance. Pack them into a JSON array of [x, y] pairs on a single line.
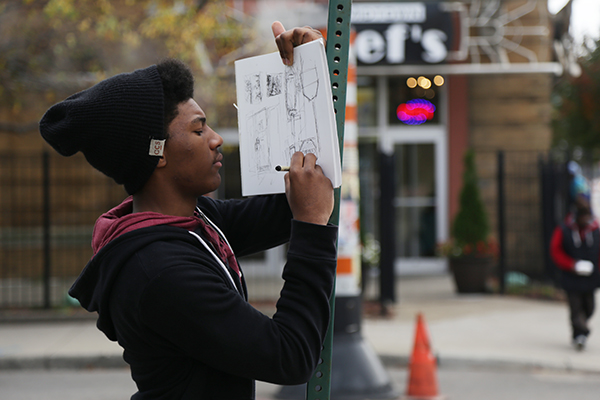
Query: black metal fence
[[48, 206], [555, 181], [532, 200], [530, 197], [519, 219]]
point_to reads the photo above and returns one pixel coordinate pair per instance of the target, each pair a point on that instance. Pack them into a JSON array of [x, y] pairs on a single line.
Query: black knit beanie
[[113, 124]]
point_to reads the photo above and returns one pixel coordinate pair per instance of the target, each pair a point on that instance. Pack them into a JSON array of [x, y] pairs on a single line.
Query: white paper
[[282, 110]]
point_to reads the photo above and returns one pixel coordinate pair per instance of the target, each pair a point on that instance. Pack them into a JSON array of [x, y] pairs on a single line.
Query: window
[[414, 100]]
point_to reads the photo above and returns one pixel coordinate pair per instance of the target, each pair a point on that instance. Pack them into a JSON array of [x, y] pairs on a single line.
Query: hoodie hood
[[121, 219], [94, 285], [118, 234]]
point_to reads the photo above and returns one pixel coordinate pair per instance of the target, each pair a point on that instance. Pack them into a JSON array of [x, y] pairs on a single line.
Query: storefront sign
[[403, 33]]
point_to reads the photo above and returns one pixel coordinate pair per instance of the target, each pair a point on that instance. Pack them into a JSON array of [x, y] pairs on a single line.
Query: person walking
[[575, 249]]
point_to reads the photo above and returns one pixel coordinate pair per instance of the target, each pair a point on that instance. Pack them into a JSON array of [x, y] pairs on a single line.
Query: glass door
[[420, 199], [415, 200], [405, 116]]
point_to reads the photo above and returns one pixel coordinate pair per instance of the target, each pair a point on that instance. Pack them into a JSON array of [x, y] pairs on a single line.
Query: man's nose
[[217, 139]]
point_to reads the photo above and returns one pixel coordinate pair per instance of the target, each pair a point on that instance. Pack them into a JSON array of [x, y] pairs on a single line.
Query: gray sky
[[585, 18]]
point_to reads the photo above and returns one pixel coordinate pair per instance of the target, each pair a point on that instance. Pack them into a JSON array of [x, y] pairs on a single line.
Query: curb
[[402, 362], [62, 362], [36, 317], [389, 361]]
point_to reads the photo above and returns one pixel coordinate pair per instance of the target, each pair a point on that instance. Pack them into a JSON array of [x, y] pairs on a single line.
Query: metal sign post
[[337, 48]]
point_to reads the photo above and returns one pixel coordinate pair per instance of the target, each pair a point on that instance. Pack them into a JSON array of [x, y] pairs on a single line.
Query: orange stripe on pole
[[351, 74], [351, 113], [344, 265], [352, 60]]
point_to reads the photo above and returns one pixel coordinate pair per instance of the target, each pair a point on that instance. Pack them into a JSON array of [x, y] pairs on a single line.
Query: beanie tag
[[157, 147]]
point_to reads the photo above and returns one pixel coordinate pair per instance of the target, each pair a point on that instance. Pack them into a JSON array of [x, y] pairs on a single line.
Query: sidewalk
[[477, 330], [482, 330]]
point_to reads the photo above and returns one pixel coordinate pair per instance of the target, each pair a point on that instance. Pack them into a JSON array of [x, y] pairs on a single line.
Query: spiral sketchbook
[[283, 109]]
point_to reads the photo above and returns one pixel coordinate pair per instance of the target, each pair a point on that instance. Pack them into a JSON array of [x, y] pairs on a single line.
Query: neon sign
[[415, 112]]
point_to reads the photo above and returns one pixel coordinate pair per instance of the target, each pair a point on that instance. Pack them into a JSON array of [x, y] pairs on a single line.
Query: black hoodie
[[186, 330]]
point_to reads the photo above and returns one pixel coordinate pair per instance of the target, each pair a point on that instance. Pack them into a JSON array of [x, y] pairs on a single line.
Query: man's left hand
[[287, 40]]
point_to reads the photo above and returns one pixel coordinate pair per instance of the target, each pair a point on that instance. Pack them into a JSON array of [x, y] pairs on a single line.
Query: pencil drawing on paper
[[274, 84], [260, 126], [253, 89], [297, 89], [302, 86], [281, 110]]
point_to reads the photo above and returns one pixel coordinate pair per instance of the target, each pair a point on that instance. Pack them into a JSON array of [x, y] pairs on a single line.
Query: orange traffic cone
[[422, 379]]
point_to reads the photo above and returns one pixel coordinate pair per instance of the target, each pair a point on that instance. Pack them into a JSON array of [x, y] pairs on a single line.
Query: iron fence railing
[[48, 206]]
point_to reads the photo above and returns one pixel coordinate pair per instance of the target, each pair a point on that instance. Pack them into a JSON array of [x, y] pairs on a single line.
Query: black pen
[[282, 168]]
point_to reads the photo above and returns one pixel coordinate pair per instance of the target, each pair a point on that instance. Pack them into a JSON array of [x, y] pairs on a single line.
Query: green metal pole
[[338, 45]]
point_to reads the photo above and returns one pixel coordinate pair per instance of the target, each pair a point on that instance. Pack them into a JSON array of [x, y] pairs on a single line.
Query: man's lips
[[219, 159]]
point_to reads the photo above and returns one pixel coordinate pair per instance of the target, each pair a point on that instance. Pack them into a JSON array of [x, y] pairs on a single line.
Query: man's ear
[[162, 161]]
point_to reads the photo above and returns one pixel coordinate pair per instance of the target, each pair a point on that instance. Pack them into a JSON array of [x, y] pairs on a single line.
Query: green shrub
[[470, 226]]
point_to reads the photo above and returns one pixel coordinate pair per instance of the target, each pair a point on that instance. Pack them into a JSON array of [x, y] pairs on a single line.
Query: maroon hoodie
[[122, 219]]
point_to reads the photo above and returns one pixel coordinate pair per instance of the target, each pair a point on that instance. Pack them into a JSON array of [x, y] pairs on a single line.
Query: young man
[[163, 278], [575, 249]]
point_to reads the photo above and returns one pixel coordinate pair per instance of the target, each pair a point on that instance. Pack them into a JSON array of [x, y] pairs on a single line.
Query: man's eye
[[198, 132]]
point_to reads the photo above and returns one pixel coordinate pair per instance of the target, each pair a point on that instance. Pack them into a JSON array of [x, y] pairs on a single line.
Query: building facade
[[437, 78], [433, 79]]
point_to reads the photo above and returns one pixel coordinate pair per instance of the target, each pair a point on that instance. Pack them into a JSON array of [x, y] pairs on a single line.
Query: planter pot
[[471, 273]]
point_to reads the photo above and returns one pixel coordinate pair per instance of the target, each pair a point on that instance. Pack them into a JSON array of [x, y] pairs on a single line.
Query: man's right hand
[[309, 192]]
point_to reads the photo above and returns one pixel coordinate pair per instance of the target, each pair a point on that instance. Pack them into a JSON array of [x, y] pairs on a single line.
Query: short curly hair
[[178, 87]]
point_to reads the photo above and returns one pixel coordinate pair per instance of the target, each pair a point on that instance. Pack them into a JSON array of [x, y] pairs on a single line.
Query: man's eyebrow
[[200, 120]]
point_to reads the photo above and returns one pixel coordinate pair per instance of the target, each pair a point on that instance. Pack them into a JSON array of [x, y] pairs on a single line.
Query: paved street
[[454, 384], [490, 348]]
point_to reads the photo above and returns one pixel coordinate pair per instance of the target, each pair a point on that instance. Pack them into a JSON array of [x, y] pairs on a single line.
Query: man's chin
[[216, 184]]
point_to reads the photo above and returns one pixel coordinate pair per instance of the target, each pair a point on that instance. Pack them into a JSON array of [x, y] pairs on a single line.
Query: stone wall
[[511, 112]]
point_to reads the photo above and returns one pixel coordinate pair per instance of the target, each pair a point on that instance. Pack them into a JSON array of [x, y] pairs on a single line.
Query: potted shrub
[[471, 251]]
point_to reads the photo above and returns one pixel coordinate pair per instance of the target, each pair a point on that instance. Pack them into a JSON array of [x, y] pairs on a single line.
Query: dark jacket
[[187, 332], [569, 245]]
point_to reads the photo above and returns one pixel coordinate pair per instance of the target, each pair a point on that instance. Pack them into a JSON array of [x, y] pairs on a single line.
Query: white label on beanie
[[157, 147]]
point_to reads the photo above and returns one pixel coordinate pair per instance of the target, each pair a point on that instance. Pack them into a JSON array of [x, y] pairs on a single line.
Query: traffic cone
[[422, 380]]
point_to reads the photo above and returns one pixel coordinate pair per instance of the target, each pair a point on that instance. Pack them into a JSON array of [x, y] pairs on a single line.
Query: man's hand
[[309, 192], [287, 40]]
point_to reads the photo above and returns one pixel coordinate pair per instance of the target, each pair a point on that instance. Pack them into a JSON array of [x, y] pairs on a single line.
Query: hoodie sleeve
[[557, 252], [251, 225], [193, 308]]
